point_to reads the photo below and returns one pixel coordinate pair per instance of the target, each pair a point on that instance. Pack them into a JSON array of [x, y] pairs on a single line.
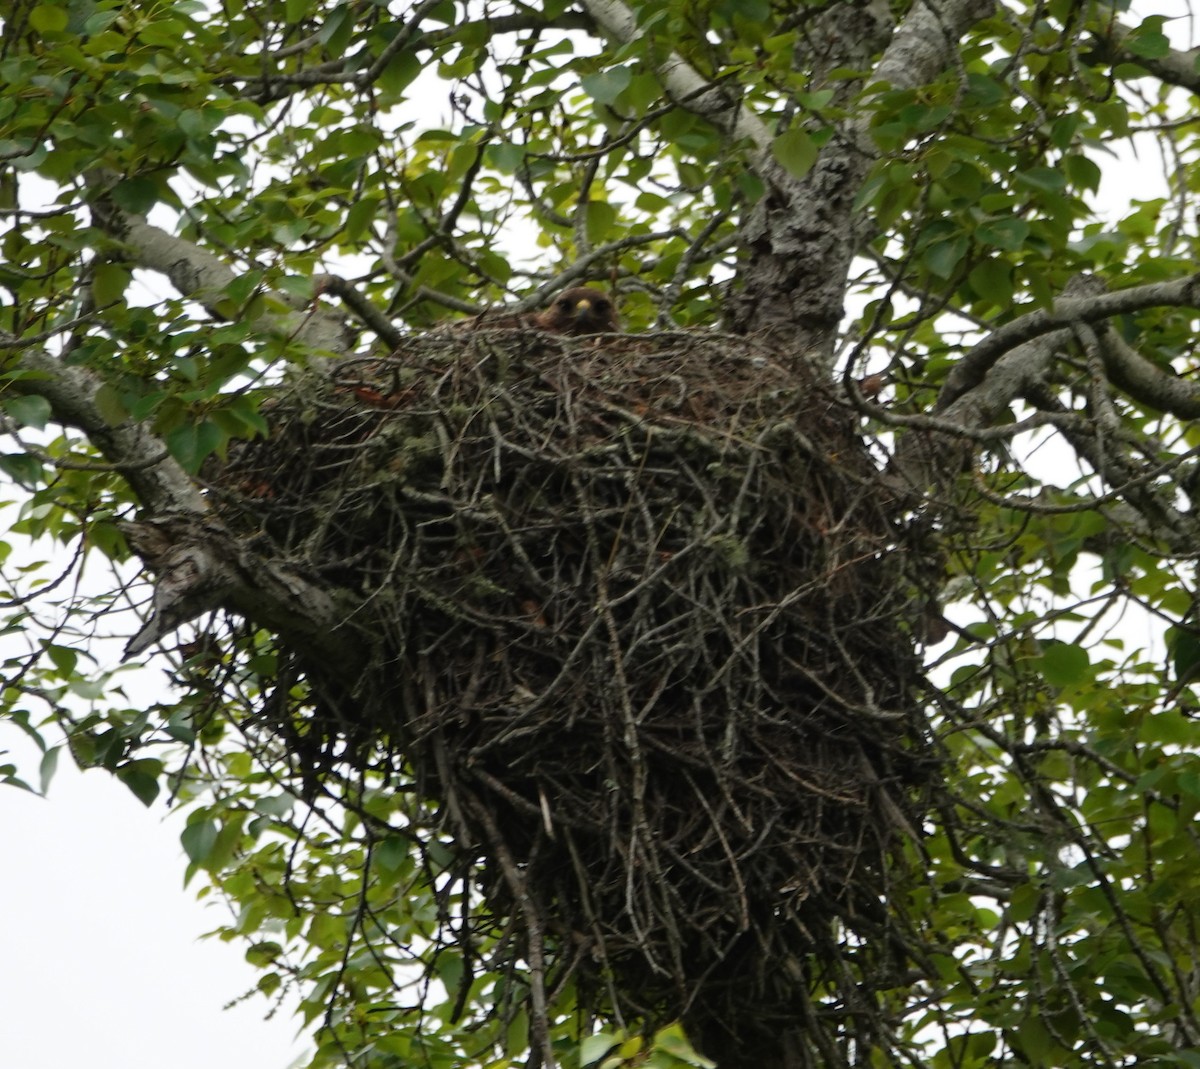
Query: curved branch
[[157, 480], [408, 30], [1148, 512], [1173, 67], [200, 564], [202, 276], [366, 312], [685, 85], [931, 456], [925, 459], [922, 44], [969, 372], [1145, 382]]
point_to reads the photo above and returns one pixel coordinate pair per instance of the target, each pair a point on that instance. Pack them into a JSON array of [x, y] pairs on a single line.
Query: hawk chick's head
[[581, 310]]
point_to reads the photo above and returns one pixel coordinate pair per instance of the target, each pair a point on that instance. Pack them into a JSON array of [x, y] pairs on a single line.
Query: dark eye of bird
[[565, 305]]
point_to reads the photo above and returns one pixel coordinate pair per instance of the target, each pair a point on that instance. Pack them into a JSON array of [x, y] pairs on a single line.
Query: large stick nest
[[642, 626]]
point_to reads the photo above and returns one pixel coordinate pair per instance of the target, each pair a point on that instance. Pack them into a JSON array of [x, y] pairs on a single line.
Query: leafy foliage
[[195, 197]]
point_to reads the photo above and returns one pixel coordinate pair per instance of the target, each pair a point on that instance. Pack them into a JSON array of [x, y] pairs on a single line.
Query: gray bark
[[200, 565], [799, 240], [204, 277]]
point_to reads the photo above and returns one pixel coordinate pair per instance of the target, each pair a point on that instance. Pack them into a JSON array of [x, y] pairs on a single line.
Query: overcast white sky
[[101, 964]]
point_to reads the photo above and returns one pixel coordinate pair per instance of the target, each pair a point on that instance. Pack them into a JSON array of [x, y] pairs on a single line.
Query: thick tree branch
[[925, 459], [800, 240], [199, 563], [969, 372], [201, 566], [362, 308], [204, 277], [1145, 382], [922, 46], [1173, 67], [800, 237], [1145, 513], [687, 87], [158, 481]]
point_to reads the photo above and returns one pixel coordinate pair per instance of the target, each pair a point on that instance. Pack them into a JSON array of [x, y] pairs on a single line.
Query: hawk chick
[[581, 310]]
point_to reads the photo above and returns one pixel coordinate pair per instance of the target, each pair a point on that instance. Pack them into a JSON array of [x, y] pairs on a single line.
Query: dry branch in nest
[[640, 622]]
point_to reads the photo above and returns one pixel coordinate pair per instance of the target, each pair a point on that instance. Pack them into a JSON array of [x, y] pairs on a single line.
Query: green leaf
[[595, 1046], [600, 219], [399, 74], [672, 1040], [992, 281], [191, 444], [198, 839], [24, 155], [1189, 783], [141, 777], [359, 218], [450, 972], [1044, 179], [1148, 40], [1082, 172], [64, 658], [109, 404], [750, 10], [242, 287], [796, 151], [336, 28], [506, 157], [275, 805], [985, 92], [48, 18], [1009, 234], [28, 410], [137, 195], [265, 953], [1063, 665], [392, 854], [109, 281], [298, 286], [1185, 653], [23, 469], [943, 257], [606, 86], [48, 767]]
